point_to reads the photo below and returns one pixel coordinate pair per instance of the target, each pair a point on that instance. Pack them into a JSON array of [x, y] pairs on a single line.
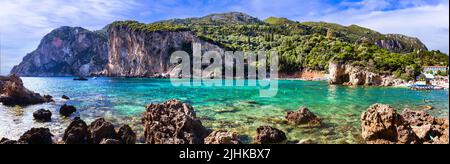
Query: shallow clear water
[[238, 109]]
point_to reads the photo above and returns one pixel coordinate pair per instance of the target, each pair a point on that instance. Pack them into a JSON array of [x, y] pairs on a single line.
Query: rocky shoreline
[[175, 122]]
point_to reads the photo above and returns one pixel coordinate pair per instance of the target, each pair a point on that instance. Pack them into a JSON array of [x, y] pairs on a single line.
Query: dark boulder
[[6, 141], [37, 136], [303, 116], [126, 135], [172, 122], [269, 135], [77, 132], [65, 97], [101, 129], [67, 110], [43, 115]]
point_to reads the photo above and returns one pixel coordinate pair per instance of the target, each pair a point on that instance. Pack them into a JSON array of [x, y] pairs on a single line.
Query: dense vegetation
[[309, 45]]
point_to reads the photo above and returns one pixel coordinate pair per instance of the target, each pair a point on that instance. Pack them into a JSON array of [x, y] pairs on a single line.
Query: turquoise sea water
[[239, 109]]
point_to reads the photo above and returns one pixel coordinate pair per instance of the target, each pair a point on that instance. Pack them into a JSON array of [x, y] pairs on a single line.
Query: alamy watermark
[[214, 68]]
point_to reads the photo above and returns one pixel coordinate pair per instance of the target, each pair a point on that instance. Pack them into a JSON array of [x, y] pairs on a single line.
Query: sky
[[24, 23]]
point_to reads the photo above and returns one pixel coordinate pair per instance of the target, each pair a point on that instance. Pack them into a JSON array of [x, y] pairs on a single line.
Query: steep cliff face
[[401, 43], [66, 51], [133, 53], [345, 74]]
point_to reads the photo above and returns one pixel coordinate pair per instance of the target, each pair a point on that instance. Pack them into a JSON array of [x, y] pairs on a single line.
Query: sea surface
[[240, 108]]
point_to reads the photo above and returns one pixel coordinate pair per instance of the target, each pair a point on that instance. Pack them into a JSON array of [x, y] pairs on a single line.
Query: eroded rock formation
[[303, 116], [13, 92], [381, 124], [172, 122], [346, 74]]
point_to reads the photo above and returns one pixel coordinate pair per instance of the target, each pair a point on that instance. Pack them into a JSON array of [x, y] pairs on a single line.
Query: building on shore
[[434, 69]]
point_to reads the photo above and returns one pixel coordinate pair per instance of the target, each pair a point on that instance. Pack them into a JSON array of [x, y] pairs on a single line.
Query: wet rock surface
[[303, 116], [37, 136], [101, 129], [110, 142], [126, 135], [13, 92], [77, 132], [67, 110], [172, 122], [43, 115], [222, 137], [269, 135]]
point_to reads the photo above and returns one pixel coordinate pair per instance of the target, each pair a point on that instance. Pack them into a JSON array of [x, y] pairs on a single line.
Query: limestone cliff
[[346, 74], [134, 53], [66, 51]]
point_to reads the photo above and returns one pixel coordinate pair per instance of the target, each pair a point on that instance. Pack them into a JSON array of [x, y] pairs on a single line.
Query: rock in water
[[126, 135], [101, 129], [6, 141], [43, 115], [37, 136], [303, 116], [222, 137], [67, 110], [12, 93], [110, 142], [65, 97], [269, 135], [172, 122], [77, 132], [381, 124]]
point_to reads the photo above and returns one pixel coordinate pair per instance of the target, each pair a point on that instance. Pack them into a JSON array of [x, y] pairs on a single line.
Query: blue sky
[[23, 23]]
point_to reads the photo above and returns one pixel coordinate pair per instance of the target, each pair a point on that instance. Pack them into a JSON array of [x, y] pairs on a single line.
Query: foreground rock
[[101, 129], [43, 115], [269, 135], [172, 122], [12, 93], [110, 142], [126, 135], [222, 137], [6, 141], [37, 136], [303, 116], [67, 110], [381, 124], [77, 132]]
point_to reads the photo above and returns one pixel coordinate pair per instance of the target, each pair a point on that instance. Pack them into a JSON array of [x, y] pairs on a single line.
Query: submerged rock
[[67, 110], [381, 124], [126, 135], [172, 122], [43, 115], [77, 132], [65, 97], [222, 137], [269, 135], [110, 142], [303, 116], [13, 92], [101, 129], [37, 136]]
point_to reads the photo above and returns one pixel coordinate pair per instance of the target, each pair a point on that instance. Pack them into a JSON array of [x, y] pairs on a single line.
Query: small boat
[[80, 79]]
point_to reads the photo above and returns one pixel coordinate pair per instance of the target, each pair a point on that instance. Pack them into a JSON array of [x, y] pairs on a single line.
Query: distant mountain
[[134, 49], [66, 51]]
